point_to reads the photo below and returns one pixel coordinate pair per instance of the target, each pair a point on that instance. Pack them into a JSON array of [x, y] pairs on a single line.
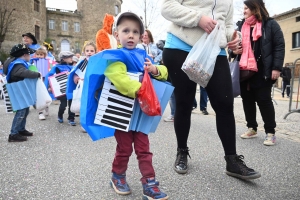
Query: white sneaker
[[169, 119], [46, 111], [42, 116], [250, 133], [270, 139]]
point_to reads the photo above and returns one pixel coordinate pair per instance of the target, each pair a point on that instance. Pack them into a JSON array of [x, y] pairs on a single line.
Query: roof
[[287, 12]]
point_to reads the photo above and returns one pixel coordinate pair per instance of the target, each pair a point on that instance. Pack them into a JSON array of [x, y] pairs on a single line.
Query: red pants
[[124, 150]]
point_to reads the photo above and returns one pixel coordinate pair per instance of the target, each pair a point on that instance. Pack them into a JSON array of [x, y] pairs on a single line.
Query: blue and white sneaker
[[71, 122], [60, 120], [151, 190], [118, 182]]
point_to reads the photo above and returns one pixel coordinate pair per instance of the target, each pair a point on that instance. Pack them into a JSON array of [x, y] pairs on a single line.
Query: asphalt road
[[61, 162]]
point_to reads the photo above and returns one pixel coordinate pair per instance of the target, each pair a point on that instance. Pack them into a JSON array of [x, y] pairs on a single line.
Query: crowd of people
[[163, 61]]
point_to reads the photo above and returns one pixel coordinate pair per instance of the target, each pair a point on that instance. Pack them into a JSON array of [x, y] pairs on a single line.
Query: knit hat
[[20, 49], [31, 36], [65, 54]]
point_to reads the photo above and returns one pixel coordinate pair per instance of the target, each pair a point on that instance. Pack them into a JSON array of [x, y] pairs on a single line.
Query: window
[[116, 10], [77, 48], [36, 5], [76, 27], [64, 25], [296, 40], [51, 24], [298, 19], [37, 32]]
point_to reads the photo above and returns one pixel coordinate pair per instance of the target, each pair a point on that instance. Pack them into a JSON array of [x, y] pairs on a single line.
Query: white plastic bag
[[200, 62], [75, 106], [43, 98]]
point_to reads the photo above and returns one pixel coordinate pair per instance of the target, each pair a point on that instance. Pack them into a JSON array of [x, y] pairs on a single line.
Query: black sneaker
[[16, 138], [25, 133], [235, 166], [181, 163], [204, 112]]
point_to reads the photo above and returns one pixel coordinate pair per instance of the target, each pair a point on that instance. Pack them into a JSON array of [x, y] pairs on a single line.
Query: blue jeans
[[19, 121], [203, 99], [172, 104]]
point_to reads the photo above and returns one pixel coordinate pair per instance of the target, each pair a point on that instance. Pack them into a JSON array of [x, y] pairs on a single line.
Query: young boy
[[129, 30], [16, 70], [65, 58]]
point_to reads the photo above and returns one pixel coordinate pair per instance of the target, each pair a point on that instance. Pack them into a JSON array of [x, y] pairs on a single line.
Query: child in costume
[[129, 29], [16, 69], [65, 58], [89, 49], [41, 53]]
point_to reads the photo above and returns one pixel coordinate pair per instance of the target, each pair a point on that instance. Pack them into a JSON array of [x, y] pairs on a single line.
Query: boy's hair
[[88, 43], [41, 51]]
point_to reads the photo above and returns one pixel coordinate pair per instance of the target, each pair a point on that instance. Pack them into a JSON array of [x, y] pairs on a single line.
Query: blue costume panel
[[93, 82], [70, 83]]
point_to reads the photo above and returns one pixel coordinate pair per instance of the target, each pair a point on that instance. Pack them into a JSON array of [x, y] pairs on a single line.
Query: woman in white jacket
[[190, 20]]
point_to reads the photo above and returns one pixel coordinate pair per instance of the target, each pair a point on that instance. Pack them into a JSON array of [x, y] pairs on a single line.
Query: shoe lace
[[122, 181], [182, 158], [242, 164]]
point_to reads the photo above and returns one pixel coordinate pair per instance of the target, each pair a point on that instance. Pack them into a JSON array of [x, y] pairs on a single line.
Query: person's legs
[[172, 104], [283, 87], [219, 90], [71, 115], [23, 124], [16, 127], [62, 107], [203, 98], [120, 162], [248, 97], [195, 103], [184, 93], [184, 96], [266, 107], [288, 89]]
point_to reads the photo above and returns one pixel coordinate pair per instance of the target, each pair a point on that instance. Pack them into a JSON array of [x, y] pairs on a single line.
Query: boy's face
[[67, 60], [40, 55], [26, 57], [128, 33]]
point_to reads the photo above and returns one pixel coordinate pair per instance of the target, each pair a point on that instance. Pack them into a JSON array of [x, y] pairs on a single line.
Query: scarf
[[248, 61]]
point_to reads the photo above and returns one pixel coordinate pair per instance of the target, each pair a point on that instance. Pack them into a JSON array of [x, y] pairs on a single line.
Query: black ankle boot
[[181, 163], [236, 167]]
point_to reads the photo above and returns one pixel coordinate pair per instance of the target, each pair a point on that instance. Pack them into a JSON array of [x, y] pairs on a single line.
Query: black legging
[[219, 90]]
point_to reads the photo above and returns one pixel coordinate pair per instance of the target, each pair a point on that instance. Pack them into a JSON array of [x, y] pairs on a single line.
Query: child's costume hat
[[31, 37], [65, 54], [130, 14], [20, 49]]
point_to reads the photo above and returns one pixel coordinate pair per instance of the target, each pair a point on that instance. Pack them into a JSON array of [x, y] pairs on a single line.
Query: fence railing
[[296, 110]]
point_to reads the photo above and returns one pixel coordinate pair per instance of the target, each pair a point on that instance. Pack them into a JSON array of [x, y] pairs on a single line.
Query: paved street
[[61, 162]]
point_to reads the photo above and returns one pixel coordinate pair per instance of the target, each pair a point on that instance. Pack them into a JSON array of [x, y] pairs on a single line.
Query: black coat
[[272, 46], [19, 72], [286, 74]]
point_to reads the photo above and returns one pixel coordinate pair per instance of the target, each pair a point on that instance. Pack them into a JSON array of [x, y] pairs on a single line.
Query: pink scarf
[[248, 61]]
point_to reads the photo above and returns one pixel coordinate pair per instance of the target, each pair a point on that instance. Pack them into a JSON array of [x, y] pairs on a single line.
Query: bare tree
[[6, 19]]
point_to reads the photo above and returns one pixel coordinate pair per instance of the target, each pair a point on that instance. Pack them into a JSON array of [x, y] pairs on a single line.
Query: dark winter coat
[[286, 74], [272, 47], [19, 72]]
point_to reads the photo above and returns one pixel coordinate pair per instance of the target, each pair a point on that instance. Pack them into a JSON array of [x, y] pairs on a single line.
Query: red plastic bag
[[147, 97]]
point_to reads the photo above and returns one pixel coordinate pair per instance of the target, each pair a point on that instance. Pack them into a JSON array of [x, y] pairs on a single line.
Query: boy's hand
[[151, 68]]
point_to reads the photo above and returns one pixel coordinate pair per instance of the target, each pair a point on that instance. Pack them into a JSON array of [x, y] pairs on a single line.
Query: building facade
[[290, 24], [66, 30]]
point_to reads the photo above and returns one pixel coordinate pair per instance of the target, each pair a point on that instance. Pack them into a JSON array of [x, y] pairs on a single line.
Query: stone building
[[290, 24], [67, 30]]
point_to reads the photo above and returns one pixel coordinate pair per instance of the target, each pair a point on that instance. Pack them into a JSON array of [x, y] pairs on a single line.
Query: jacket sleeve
[[20, 71], [163, 73], [117, 74], [278, 46], [229, 24], [174, 11]]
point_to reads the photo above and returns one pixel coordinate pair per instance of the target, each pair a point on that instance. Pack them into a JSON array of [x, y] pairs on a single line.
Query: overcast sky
[[273, 6]]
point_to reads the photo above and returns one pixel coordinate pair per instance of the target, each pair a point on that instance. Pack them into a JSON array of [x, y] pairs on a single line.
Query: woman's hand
[[151, 68], [275, 74], [239, 50], [207, 24], [235, 42]]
